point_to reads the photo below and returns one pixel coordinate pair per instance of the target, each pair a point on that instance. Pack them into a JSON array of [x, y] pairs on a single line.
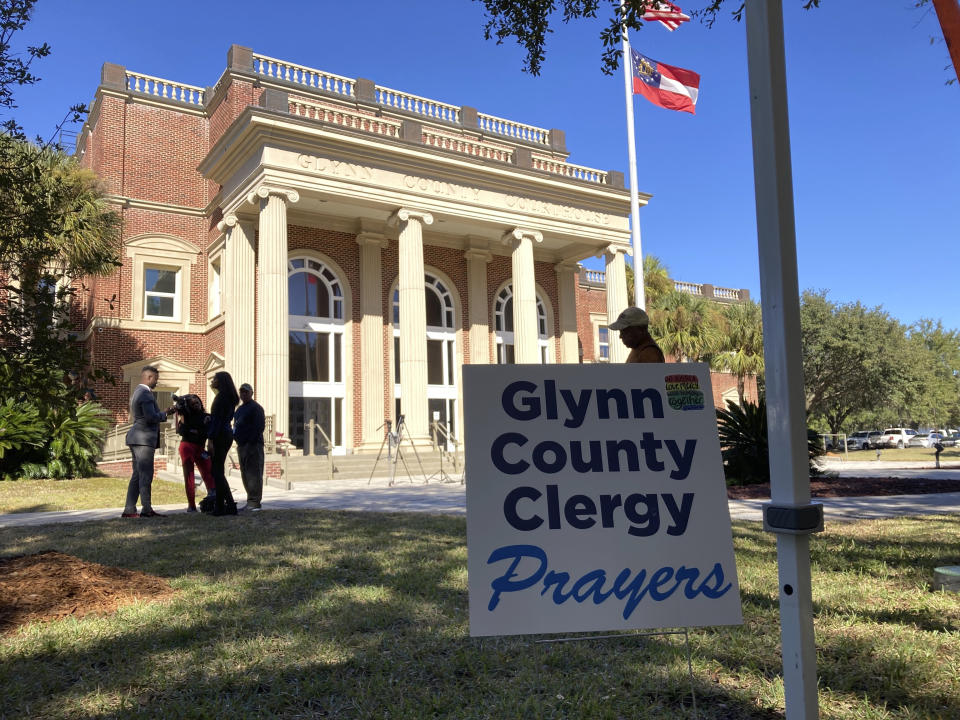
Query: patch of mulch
[[51, 585], [854, 487]]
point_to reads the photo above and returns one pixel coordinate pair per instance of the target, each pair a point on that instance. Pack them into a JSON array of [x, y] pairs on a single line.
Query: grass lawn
[[361, 615], [81, 494], [911, 454]]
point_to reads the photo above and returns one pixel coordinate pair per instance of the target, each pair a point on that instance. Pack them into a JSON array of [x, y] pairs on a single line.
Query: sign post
[[794, 518], [596, 500]]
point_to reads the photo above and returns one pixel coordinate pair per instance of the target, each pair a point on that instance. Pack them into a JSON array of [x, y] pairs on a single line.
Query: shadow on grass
[[336, 614]]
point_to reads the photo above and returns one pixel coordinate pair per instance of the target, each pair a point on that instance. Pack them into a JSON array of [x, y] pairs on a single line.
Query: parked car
[[951, 440], [862, 439], [925, 439], [895, 437]]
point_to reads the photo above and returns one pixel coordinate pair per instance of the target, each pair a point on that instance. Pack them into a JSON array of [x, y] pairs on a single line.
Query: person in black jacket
[[220, 438], [248, 425], [192, 427]]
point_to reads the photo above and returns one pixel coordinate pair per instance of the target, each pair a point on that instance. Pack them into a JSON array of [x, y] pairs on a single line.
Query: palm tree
[[685, 326], [656, 280], [740, 351]]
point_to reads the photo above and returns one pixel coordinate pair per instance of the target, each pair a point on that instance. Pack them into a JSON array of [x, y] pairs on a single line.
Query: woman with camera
[[192, 428], [220, 438]]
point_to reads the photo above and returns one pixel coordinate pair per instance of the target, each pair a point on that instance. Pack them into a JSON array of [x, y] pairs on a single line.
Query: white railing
[[578, 172], [149, 85], [347, 118], [726, 293], [515, 130], [595, 276], [291, 72], [467, 146], [416, 104], [689, 288]]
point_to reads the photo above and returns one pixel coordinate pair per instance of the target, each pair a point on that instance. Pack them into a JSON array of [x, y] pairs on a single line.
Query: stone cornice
[[99, 322], [129, 202]]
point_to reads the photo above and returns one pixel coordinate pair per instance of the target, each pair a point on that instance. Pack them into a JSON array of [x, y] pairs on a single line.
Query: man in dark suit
[[143, 438]]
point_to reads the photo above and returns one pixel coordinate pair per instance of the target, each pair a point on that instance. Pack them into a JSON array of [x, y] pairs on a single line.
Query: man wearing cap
[[632, 324], [248, 425]]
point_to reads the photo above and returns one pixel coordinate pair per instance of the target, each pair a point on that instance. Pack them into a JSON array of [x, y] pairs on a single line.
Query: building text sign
[[595, 499]]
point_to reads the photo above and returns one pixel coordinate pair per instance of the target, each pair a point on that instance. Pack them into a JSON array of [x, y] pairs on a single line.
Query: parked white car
[[925, 439], [862, 439], [895, 437]]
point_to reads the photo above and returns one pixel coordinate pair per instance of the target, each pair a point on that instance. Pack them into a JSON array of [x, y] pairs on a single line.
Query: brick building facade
[[291, 226]]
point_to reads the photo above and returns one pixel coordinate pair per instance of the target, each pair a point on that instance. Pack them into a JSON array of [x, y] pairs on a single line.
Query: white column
[[477, 259], [413, 323], [371, 339], [238, 271], [617, 302], [273, 361], [567, 291], [525, 335]]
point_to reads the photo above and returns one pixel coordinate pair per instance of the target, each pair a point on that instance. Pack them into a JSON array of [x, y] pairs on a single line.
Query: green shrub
[[743, 444], [62, 443], [21, 432], [76, 440]]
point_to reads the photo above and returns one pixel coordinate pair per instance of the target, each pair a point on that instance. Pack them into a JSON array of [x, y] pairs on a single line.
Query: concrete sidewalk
[[450, 499]]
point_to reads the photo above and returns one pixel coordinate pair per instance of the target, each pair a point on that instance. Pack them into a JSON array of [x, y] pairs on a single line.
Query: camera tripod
[[392, 441], [441, 474]]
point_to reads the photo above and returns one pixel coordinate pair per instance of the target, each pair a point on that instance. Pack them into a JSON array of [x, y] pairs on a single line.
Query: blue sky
[[874, 128]]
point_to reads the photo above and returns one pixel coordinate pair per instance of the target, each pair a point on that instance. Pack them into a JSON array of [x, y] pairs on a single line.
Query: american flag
[[666, 13]]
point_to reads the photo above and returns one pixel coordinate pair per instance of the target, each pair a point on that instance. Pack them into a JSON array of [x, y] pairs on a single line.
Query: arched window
[[441, 350], [503, 327], [316, 349]]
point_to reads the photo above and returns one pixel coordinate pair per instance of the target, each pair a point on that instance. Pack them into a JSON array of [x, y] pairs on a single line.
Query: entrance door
[[317, 388]]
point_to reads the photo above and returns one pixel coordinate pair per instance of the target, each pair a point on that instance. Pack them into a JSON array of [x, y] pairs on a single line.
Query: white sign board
[[595, 499]]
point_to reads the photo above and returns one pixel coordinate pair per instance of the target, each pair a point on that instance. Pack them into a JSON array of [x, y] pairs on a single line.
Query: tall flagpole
[[639, 298]]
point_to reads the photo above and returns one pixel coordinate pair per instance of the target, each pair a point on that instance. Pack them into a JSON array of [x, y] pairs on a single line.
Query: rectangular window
[[435, 362], [216, 303], [309, 357], [161, 293], [603, 342]]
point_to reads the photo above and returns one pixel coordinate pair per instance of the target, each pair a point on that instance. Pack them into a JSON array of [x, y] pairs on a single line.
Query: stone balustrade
[[686, 287], [514, 130], [309, 77], [578, 172], [594, 277], [346, 118], [408, 102], [149, 85], [597, 278], [467, 146]]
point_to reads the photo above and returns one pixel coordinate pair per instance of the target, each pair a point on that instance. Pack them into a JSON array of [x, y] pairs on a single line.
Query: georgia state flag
[[669, 87]]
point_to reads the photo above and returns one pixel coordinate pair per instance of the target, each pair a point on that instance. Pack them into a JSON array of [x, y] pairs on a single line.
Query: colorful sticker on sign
[[683, 392]]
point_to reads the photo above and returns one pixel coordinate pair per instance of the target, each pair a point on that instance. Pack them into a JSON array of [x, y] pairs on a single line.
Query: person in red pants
[[192, 424]]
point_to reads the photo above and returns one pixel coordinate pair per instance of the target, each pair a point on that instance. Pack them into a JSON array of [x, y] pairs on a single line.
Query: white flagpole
[[639, 298]]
